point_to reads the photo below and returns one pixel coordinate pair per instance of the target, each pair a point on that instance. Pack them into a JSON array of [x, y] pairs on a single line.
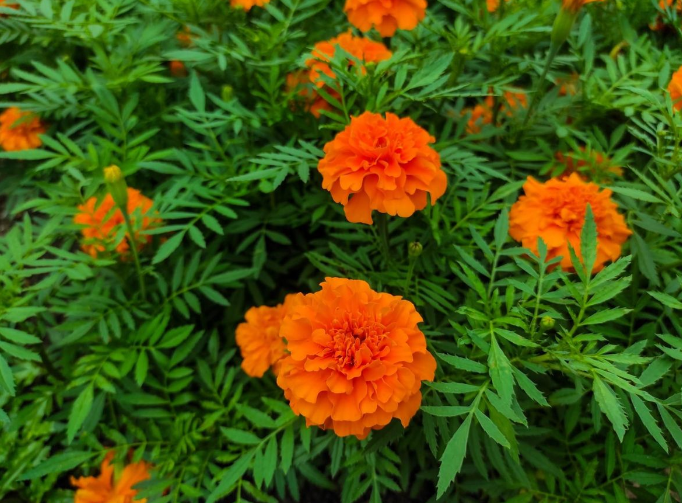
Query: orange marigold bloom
[[364, 49], [595, 164], [482, 113], [178, 69], [107, 488], [674, 88], [576, 5], [314, 102], [555, 211], [493, 5], [259, 337], [382, 164], [185, 37], [103, 221], [357, 358], [19, 130], [247, 4], [386, 16]]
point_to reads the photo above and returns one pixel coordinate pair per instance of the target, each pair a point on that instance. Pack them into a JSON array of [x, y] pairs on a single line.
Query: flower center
[[356, 340]]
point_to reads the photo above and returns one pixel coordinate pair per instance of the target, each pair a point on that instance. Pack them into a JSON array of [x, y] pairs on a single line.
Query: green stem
[[408, 278], [553, 50], [133, 247]]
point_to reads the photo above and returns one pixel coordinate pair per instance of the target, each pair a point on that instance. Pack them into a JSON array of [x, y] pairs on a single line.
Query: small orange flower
[[555, 211], [259, 337], [298, 82], [357, 358], [247, 4], [101, 223], [493, 5], [382, 164], [482, 114], [107, 488], [674, 88], [19, 130], [568, 86], [185, 37], [177, 69], [364, 49], [594, 164], [576, 5], [386, 16]]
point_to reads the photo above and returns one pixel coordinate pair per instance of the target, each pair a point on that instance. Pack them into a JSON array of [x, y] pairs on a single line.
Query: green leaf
[[453, 456], [168, 247], [197, 236], [231, 476], [606, 315], [648, 420], [588, 241], [671, 425], [196, 93], [79, 411], [6, 377], [610, 405], [141, 367], [636, 194], [270, 460], [59, 463], [500, 372], [287, 450], [453, 387], [463, 363], [666, 300], [176, 336], [491, 429], [240, 436], [501, 229], [529, 387], [515, 338]]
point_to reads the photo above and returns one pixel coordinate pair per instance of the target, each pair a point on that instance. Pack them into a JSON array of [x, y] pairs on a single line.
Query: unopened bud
[[227, 93], [562, 25], [547, 322], [116, 184], [414, 249]]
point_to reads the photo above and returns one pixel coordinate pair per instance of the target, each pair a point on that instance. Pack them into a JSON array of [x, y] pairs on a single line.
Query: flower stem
[[553, 50], [133, 247]]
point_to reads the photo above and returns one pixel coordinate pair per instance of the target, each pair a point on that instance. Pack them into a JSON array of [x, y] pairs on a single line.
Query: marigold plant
[[387, 16]]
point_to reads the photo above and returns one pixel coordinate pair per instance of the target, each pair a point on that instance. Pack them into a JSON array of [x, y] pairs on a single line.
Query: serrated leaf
[[141, 367], [59, 463], [79, 411], [491, 429], [648, 420], [610, 405], [168, 247], [453, 456], [500, 372]]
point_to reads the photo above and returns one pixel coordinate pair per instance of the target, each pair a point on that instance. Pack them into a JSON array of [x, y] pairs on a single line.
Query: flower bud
[[547, 323], [227, 93], [116, 184], [414, 249], [563, 24]]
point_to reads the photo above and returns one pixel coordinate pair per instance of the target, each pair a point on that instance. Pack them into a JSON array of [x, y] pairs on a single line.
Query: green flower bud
[[227, 93], [562, 26], [547, 323], [116, 184], [414, 249]]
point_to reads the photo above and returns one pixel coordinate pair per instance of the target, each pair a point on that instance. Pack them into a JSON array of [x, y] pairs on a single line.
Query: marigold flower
[[185, 37], [674, 88], [177, 69], [247, 4], [576, 5], [568, 86], [555, 211], [357, 358], [19, 130], [386, 16], [107, 488], [298, 82], [482, 113], [382, 164], [259, 337], [493, 5], [364, 49], [102, 222], [595, 164]]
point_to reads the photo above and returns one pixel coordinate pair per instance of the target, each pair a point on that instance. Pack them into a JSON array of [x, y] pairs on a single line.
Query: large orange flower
[[674, 88], [102, 222], [247, 4], [596, 165], [107, 488], [357, 358], [382, 164], [576, 5], [386, 16], [482, 113], [259, 337], [298, 82], [19, 130], [364, 49], [555, 211]]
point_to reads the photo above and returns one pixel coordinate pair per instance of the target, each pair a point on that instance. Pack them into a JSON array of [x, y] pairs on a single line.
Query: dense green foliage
[[551, 386]]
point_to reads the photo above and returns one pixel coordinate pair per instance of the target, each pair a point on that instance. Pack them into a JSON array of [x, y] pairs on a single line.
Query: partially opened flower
[[555, 211], [675, 89], [247, 4], [364, 49], [595, 165], [259, 338], [19, 130], [112, 486], [299, 82], [387, 16], [483, 113], [102, 221], [357, 358], [382, 164]]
